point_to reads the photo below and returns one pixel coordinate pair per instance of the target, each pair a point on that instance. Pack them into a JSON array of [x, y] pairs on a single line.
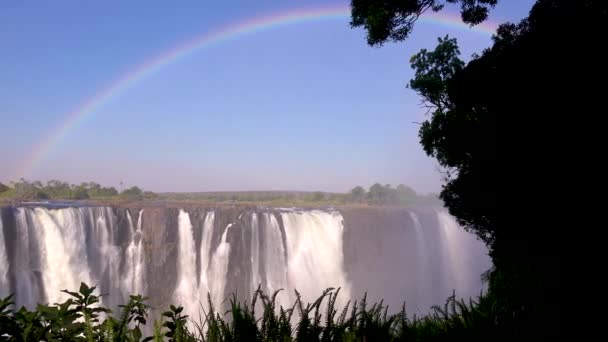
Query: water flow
[[462, 252], [255, 251], [4, 289], [186, 290], [55, 249], [104, 263], [275, 265], [205, 255], [134, 270], [26, 263], [219, 270], [63, 250], [315, 254], [423, 265]]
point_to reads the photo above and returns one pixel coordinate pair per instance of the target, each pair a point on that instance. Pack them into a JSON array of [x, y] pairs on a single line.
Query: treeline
[[59, 190], [376, 195], [379, 194]]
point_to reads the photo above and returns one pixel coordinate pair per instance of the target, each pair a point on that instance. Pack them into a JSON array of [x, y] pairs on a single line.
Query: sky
[[305, 106]]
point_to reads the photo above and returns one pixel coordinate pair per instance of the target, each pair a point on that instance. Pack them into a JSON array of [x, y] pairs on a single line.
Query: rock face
[[179, 254]]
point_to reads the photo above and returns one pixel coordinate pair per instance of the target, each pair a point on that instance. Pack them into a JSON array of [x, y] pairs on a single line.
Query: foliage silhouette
[[505, 124], [394, 20]]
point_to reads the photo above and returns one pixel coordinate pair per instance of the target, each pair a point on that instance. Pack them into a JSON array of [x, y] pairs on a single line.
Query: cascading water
[[186, 290], [63, 253], [219, 269], [456, 242], [314, 253], [422, 274], [104, 255], [175, 260], [275, 264], [4, 289], [25, 263], [255, 251], [205, 254], [135, 259]]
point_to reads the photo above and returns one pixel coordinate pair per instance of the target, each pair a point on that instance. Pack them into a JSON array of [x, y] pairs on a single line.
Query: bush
[[80, 319]]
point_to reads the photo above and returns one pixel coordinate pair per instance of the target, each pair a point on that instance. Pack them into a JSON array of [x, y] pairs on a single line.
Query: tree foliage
[[3, 188], [394, 20], [357, 194], [132, 193], [56, 189], [504, 127]]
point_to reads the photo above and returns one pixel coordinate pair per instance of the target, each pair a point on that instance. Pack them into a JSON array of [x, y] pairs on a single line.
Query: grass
[[80, 319]]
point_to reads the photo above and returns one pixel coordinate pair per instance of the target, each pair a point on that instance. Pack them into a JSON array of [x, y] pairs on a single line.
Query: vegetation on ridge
[[24, 190], [377, 195]]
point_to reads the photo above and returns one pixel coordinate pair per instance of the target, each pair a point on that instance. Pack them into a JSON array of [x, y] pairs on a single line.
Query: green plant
[[79, 319]]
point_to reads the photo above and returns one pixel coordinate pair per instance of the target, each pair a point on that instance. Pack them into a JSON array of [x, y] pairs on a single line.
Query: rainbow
[[129, 79]]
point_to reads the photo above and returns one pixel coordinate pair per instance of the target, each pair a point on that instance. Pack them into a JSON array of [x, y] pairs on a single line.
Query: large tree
[[514, 128]]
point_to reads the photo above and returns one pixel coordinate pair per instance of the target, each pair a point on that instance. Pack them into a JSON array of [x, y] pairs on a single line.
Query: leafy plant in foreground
[[82, 318]]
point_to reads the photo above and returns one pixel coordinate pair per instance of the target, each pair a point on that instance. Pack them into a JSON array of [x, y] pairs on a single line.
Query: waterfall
[[205, 255], [26, 264], [4, 285], [186, 291], [44, 250], [315, 254], [460, 248], [255, 251], [105, 257], [64, 257], [423, 264], [134, 274], [219, 270], [275, 264]]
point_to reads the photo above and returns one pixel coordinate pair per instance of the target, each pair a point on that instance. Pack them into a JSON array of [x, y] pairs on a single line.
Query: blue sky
[[307, 106]]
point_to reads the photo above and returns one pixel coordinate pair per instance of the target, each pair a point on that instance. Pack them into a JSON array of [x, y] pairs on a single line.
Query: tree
[[149, 195], [394, 20], [405, 194], [318, 196], [504, 127], [405, 190], [490, 118], [79, 192], [376, 194], [3, 188], [132, 193], [357, 194], [108, 192], [58, 189], [25, 190]]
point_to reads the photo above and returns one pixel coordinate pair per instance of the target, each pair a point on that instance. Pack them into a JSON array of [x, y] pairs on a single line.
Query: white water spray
[[274, 258], [315, 255], [460, 248], [63, 250], [219, 270], [186, 290], [134, 270], [4, 290], [205, 255], [423, 265], [255, 251]]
